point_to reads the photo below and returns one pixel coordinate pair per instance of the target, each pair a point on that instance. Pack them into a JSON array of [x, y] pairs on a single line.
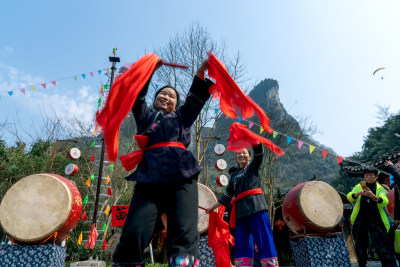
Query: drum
[[390, 206], [74, 153], [219, 149], [71, 169], [314, 205], [220, 165], [40, 207], [206, 199], [222, 180]]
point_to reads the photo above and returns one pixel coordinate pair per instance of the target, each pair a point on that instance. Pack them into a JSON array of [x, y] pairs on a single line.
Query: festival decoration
[[92, 159], [104, 247], [88, 182], [109, 192], [80, 239], [118, 215], [107, 211], [85, 200], [84, 217], [92, 237]]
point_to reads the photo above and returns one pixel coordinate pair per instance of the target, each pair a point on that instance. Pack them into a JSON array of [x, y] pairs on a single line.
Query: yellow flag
[[107, 211], [312, 148], [33, 88], [101, 89], [107, 180], [95, 129], [261, 129], [80, 239], [88, 182]]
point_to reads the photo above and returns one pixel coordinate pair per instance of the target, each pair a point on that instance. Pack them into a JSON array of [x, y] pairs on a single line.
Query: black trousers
[[179, 200], [380, 241]]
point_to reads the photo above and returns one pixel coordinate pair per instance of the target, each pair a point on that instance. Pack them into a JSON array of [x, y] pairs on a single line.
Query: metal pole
[[114, 60]]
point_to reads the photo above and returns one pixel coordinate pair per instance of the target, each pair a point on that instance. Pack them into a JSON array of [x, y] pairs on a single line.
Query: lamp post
[[204, 156]]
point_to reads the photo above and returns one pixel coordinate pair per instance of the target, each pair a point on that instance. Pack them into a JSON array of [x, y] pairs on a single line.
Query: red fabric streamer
[[241, 137], [232, 100], [91, 158], [104, 247], [122, 96], [257, 191], [129, 161], [219, 238], [109, 192], [92, 237], [84, 217]]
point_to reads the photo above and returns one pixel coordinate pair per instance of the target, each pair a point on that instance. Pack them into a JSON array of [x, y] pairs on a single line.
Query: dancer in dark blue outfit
[[166, 177]]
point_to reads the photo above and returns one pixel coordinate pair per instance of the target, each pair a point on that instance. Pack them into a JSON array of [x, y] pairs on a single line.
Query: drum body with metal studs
[[39, 208]]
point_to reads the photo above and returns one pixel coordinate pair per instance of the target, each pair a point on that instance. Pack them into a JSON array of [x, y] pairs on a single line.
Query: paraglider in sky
[[377, 71]]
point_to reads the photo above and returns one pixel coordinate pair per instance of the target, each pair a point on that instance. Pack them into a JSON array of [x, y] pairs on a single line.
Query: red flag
[[324, 153], [44, 85], [91, 158], [84, 217], [241, 137], [109, 192], [232, 99], [339, 159], [54, 83], [92, 237], [104, 245], [123, 95]]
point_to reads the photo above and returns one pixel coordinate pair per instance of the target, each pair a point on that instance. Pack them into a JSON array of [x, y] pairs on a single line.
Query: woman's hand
[[388, 162], [368, 193], [201, 70], [213, 207]]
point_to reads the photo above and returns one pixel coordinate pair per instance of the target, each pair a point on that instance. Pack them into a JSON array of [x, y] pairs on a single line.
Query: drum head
[[35, 207], [321, 204], [206, 199]]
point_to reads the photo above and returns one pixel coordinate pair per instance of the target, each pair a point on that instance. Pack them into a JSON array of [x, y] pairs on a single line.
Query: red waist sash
[[232, 220], [129, 161]]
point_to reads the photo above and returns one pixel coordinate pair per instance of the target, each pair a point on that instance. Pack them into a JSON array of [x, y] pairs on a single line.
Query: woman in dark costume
[[252, 220], [166, 176]]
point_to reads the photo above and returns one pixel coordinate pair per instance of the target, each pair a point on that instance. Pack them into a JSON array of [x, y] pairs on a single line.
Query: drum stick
[[200, 207], [175, 65]]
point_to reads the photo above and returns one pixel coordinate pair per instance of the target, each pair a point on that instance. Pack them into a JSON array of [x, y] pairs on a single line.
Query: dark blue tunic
[[165, 164], [244, 179]]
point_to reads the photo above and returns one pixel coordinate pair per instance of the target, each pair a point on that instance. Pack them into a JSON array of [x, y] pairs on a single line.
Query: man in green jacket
[[368, 216]]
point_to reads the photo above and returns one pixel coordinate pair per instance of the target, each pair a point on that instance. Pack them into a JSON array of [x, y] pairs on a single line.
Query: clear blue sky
[[322, 53]]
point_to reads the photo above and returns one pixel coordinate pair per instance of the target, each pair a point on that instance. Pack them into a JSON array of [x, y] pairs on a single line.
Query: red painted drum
[[74, 153], [40, 207], [221, 165], [222, 180], [390, 206], [71, 169], [314, 205]]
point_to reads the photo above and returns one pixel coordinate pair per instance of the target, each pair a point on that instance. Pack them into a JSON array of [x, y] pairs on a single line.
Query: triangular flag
[[324, 153], [312, 148], [157, 88], [104, 247], [106, 86], [94, 143], [76, 78], [92, 237], [339, 159], [44, 85], [95, 129], [92, 177], [111, 167], [107, 211], [114, 51], [84, 76], [99, 101], [109, 192], [11, 93], [99, 71], [33, 88], [240, 119], [107, 181], [84, 216], [88, 182], [300, 143], [391, 179], [91, 74], [54, 83], [22, 90], [91, 158], [80, 239], [101, 90], [104, 227], [251, 124], [261, 129], [274, 134], [85, 200], [289, 139], [216, 111]]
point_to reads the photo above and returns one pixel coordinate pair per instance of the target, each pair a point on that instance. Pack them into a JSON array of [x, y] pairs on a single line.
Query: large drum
[[40, 207], [314, 205], [206, 199]]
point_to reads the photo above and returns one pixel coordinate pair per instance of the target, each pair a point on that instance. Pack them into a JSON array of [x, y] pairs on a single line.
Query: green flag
[[92, 177], [94, 143], [85, 200], [76, 78], [106, 86], [112, 167], [99, 101], [104, 227]]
